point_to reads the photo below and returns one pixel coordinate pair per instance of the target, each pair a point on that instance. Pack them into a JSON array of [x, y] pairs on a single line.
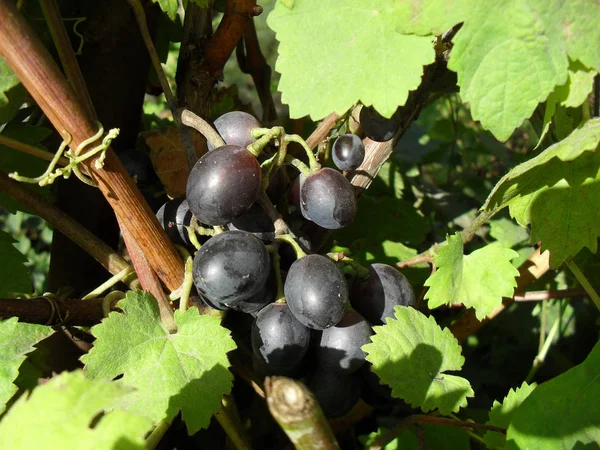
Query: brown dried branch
[[33, 65], [253, 62], [47, 310], [72, 229]]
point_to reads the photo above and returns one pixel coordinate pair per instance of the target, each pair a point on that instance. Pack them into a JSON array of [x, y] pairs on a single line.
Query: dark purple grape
[[336, 393], [278, 339], [257, 222], [223, 185], [385, 288], [174, 216], [340, 346], [316, 292], [261, 299], [234, 127], [139, 166], [377, 127], [327, 198], [348, 152], [230, 267]]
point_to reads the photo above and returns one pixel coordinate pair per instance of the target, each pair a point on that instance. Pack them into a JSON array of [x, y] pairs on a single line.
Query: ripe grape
[[278, 339], [348, 152], [234, 127], [261, 299], [316, 292], [255, 221], [377, 127], [327, 198], [174, 216], [230, 267], [340, 346], [385, 288], [336, 393], [223, 185]]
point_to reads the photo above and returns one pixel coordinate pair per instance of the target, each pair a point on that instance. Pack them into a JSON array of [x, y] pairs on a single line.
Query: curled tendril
[[75, 159]]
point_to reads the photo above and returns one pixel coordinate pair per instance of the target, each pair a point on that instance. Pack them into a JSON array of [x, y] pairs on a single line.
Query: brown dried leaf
[[168, 157]]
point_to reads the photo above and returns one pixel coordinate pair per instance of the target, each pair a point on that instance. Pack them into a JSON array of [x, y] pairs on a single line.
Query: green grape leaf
[[509, 56], [578, 87], [16, 340], [561, 413], [471, 279], [169, 7], [65, 413], [507, 233], [502, 413], [553, 191], [14, 275], [430, 16], [360, 56], [186, 371], [411, 354]]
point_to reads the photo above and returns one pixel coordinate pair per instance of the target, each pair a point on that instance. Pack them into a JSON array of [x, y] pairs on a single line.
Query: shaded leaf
[[412, 355], [184, 371]]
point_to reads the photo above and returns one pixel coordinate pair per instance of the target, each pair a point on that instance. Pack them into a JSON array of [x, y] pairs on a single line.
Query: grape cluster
[[312, 313]]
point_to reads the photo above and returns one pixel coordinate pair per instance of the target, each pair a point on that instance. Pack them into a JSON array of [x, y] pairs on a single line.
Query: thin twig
[[379, 443], [229, 419], [67, 55], [591, 292], [535, 296], [252, 61], [186, 136], [541, 356], [72, 229], [31, 150], [322, 130]]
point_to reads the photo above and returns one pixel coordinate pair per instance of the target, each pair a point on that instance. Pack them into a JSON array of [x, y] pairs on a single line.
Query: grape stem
[[290, 240], [263, 136], [299, 415], [188, 282], [358, 270], [196, 122], [303, 168], [277, 267], [312, 161], [281, 227]]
